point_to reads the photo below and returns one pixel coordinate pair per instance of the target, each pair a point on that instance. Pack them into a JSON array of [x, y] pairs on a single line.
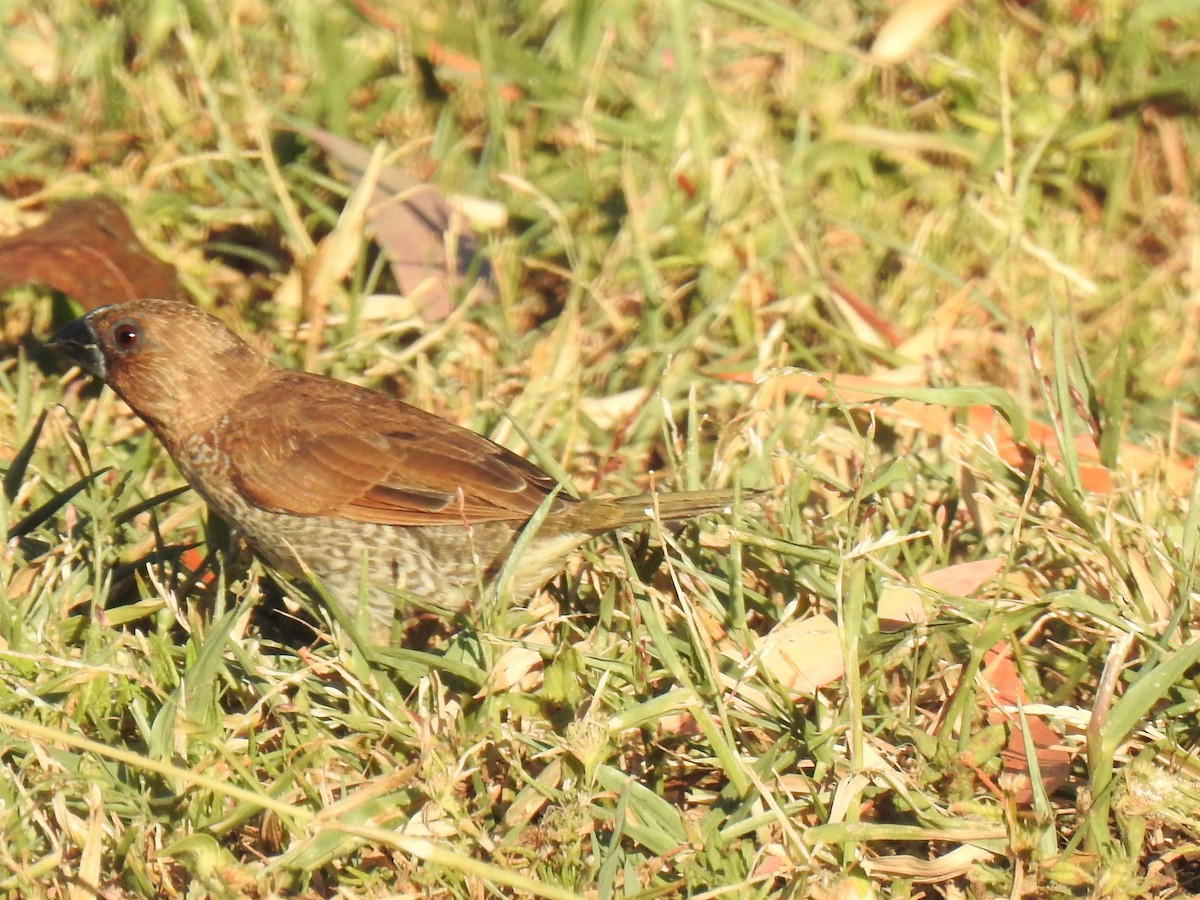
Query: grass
[[689, 190]]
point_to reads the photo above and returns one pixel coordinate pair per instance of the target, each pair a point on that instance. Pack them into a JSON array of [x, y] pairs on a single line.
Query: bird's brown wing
[[313, 446]]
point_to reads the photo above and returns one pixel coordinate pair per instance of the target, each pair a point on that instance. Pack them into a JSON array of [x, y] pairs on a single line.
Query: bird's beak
[[77, 342]]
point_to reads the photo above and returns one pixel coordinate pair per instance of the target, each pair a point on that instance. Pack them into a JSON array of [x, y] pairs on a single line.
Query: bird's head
[[178, 368]]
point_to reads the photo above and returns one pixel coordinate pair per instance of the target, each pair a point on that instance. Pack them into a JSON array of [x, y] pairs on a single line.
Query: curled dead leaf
[[88, 250]]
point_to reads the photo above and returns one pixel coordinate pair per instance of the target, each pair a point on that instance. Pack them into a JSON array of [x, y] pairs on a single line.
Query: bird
[[329, 482]]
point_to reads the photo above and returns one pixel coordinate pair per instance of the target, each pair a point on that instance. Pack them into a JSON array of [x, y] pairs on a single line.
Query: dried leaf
[[21, 582], [616, 409], [428, 246], [774, 861], [678, 724], [964, 579], [903, 605], [534, 796], [804, 656], [33, 46], [87, 249], [1054, 762], [907, 27], [900, 606], [518, 666], [866, 322], [510, 669], [192, 559]]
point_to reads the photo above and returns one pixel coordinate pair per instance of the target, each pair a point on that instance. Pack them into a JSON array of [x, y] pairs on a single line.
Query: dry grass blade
[[429, 247]]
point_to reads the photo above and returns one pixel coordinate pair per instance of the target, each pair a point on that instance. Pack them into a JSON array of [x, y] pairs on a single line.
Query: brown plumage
[[329, 479]]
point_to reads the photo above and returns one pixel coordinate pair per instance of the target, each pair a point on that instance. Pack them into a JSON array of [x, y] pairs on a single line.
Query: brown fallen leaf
[[87, 249], [1007, 691], [428, 247]]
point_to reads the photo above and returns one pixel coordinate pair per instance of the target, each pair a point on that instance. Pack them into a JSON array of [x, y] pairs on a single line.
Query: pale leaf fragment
[[900, 605], [964, 579], [804, 656], [519, 666], [905, 30], [33, 48], [616, 409]]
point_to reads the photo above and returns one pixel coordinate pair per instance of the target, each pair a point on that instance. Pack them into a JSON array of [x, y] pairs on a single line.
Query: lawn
[[928, 276]]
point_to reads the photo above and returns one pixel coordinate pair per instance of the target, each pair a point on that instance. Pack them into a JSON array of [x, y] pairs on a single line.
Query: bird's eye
[[126, 335]]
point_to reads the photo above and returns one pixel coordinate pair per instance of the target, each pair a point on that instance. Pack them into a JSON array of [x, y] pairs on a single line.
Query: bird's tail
[[600, 515]]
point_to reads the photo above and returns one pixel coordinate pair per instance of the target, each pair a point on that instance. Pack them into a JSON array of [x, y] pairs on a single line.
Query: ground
[[929, 275]]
